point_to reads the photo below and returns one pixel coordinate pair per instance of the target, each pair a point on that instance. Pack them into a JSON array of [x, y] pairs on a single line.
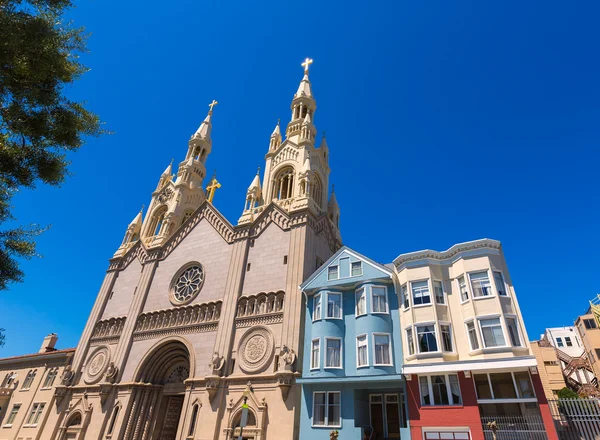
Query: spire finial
[[278, 121], [307, 62], [258, 171], [211, 105], [142, 210]]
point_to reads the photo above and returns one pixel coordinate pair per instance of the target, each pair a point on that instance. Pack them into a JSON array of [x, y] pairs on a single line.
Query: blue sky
[[446, 122]]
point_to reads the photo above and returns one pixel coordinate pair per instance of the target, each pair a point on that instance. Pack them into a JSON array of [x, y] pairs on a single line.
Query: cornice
[[38, 358], [449, 254]]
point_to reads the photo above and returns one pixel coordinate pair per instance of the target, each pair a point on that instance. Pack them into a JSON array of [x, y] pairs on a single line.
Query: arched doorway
[[158, 399]]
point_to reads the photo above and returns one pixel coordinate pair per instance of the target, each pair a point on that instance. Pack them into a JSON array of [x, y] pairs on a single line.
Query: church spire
[[303, 103], [275, 138]]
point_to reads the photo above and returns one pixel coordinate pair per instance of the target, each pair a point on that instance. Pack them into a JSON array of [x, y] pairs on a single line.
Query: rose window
[[188, 284]]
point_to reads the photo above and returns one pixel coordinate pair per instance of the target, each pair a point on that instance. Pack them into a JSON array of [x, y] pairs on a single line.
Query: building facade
[[351, 373], [549, 368], [587, 327], [196, 315], [467, 359], [27, 383]]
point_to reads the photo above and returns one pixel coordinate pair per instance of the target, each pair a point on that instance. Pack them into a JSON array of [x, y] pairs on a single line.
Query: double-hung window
[[513, 332], [426, 339], [480, 284], [36, 412], [362, 356], [326, 408], [568, 341], [52, 372], [509, 385], [462, 287], [438, 290], [440, 390], [333, 353], [499, 281], [589, 323], [356, 268], [13, 414], [472, 335], [420, 292], [361, 302], [560, 342], [334, 305], [315, 354], [382, 349], [446, 333], [491, 331], [333, 273], [317, 307], [28, 379], [410, 342], [379, 299], [404, 293]]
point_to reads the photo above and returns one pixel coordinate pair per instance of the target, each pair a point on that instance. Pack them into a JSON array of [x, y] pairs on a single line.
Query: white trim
[[391, 364], [341, 295], [452, 344], [445, 300], [385, 294], [499, 317], [337, 266], [326, 424], [487, 272], [361, 268], [318, 366], [325, 367], [516, 321], [504, 285], [469, 294], [364, 289], [416, 336], [366, 336], [320, 300], [446, 377], [485, 365], [407, 296], [412, 295]]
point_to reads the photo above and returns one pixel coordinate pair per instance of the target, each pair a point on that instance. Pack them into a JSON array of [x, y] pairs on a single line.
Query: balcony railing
[[530, 427]]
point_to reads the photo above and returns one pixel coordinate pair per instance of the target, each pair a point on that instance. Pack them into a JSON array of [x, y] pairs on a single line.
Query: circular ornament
[[187, 284], [96, 365], [255, 350]]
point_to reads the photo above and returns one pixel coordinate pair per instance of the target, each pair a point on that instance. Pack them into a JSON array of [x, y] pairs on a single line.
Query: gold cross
[[210, 189], [307, 62], [212, 104]]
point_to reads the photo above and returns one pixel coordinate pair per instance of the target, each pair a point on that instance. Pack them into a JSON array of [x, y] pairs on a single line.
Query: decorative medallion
[[187, 284], [165, 195], [255, 350], [96, 365]]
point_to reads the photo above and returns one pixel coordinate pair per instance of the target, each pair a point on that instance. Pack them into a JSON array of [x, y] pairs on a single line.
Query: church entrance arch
[[158, 396]]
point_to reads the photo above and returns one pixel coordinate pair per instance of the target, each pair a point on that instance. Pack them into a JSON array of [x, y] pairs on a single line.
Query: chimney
[[49, 343]]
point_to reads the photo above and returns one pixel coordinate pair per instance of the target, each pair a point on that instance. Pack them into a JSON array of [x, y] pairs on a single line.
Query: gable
[[338, 271]]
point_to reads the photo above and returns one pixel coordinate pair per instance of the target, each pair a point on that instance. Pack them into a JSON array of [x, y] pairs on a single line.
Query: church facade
[[196, 315]]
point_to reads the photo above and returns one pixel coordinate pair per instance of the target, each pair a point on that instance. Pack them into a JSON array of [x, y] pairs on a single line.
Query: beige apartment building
[[27, 400], [549, 368], [590, 337]]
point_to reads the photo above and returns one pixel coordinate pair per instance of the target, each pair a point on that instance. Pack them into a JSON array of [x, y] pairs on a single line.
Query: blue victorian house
[[351, 372]]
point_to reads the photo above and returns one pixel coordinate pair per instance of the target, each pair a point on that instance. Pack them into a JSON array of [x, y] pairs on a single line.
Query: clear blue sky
[[446, 121]]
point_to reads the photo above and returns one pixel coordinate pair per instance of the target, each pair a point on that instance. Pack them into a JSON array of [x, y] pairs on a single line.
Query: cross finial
[[212, 187], [212, 104], [307, 62]]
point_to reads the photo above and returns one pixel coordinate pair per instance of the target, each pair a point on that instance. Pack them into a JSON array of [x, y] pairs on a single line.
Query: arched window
[[75, 420], [193, 420], [203, 156], [50, 377], [157, 221], [113, 420], [316, 191], [283, 186]]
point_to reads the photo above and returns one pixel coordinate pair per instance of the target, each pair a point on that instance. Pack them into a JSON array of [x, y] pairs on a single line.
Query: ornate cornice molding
[[451, 253], [184, 330], [251, 321]]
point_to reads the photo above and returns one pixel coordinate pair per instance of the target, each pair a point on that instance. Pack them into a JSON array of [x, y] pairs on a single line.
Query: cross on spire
[[307, 62], [212, 104], [210, 189]]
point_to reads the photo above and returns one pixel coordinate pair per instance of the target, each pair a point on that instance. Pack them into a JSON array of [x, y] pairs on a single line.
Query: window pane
[[440, 390], [524, 384], [492, 332], [409, 340], [332, 273], [404, 291], [425, 398], [446, 337], [455, 389], [462, 286], [503, 386], [439, 292], [334, 301], [333, 353], [420, 290], [314, 363], [362, 350], [568, 341], [317, 307], [382, 349], [499, 280], [361, 302], [426, 338], [379, 300], [472, 335], [356, 268], [333, 415], [480, 283], [511, 325], [559, 342], [482, 386], [319, 409]]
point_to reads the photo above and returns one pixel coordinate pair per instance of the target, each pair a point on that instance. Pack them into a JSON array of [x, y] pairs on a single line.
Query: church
[[195, 315]]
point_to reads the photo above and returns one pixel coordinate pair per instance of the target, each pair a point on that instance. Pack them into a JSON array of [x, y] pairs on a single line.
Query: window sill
[[417, 306], [333, 318], [478, 298], [465, 301], [327, 426], [383, 365], [498, 349], [24, 389], [430, 407], [315, 368], [380, 313], [441, 304], [360, 367], [7, 426], [333, 368]]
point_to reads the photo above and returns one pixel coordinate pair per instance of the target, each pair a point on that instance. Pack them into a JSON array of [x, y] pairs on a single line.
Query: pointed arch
[[156, 221], [283, 183]]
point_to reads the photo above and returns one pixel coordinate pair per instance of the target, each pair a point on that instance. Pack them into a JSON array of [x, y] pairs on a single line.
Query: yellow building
[[549, 368], [590, 337]]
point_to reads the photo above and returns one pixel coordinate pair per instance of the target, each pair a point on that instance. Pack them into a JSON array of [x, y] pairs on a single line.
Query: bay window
[[491, 332], [499, 281], [361, 302], [381, 341], [362, 356], [317, 307], [426, 340], [333, 353], [438, 290], [379, 299], [420, 292], [480, 284], [443, 389], [334, 305]]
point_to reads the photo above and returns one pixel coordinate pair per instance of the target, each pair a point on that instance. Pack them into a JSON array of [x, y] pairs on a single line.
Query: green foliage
[[567, 393], [38, 123]]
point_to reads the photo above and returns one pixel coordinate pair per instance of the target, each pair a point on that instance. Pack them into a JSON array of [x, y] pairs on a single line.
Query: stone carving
[[67, 375], [287, 357], [285, 380], [96, 365], [165, 195], [111, 373], [107, 328], [216, 364], [187, 284], [261, 304], [178, 317], [256, 350]]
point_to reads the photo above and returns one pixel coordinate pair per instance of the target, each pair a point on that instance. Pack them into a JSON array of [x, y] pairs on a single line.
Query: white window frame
[[412, 294], [385, 296], [491, 295], [389, 336], [477, 336], [448, 390], [341, 306], [329, 338], [361, 268], [504, 289], [326, 420], [464, 277], [516, 388], [408, 344], [317, 299], [318, 366], [448, 430], [364, 294], [416, 336], [559, 342], [337, 266], [444, 301], [501, 322], [452, 345], [405, 296], [516, 321], [366, 336]]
